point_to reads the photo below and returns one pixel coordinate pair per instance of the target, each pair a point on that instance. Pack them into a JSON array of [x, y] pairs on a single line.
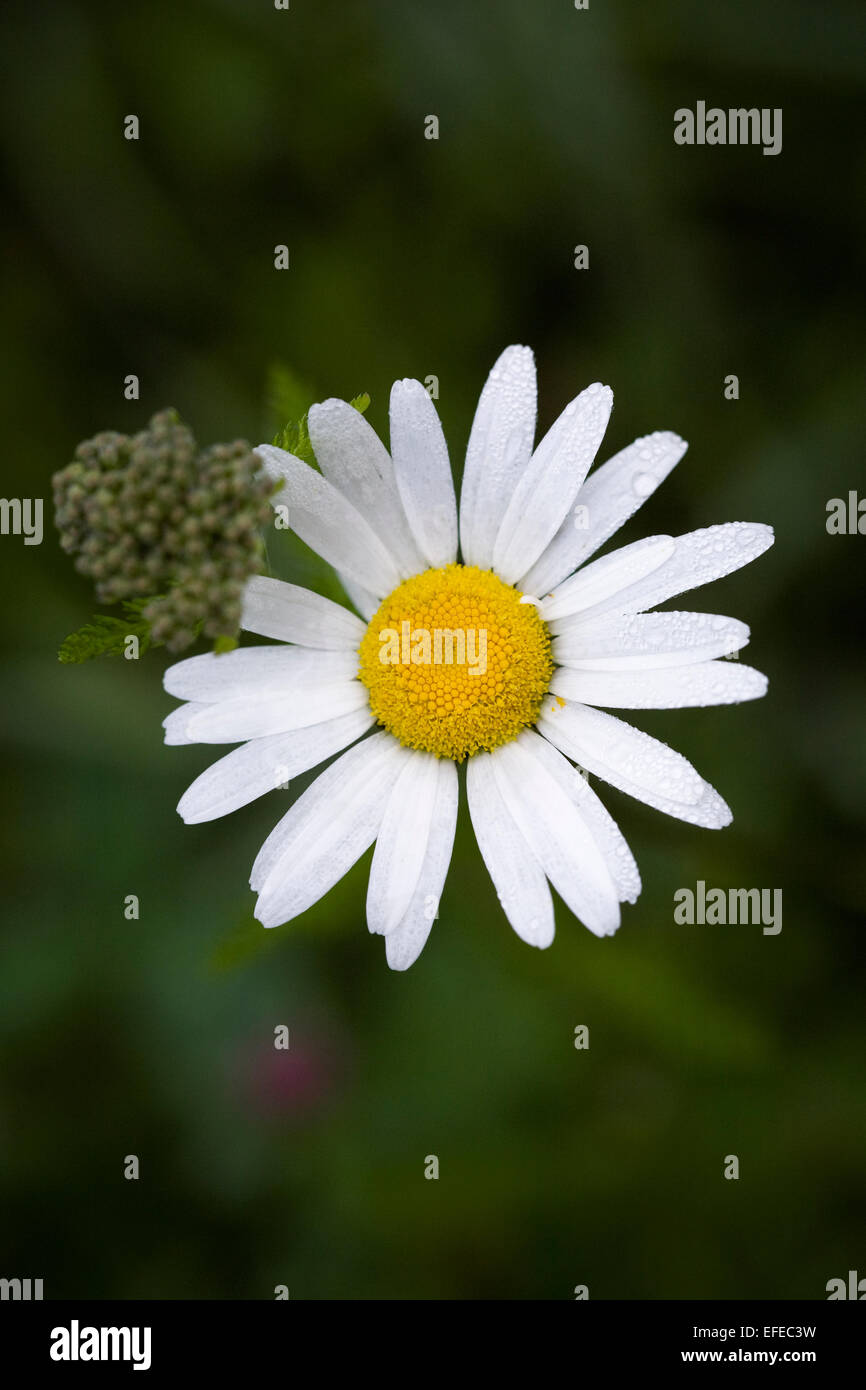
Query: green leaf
[[106, 635], [295, 439], [286, 398]]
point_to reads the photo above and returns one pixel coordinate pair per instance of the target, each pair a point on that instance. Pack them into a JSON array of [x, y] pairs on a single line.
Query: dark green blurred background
[[409, 258]]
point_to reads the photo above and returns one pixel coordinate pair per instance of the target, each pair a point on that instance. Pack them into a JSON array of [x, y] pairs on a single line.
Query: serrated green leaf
[[294, 436], [104, 636], [287, 396], [295, 439]]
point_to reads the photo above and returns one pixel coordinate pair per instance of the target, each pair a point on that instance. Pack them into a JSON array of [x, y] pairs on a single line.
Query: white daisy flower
[[503, 660]]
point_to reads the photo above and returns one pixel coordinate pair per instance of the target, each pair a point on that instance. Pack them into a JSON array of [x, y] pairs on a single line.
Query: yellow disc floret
[[455, 663]]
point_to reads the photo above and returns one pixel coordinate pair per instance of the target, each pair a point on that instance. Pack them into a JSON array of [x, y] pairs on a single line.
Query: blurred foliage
[[412, 257]]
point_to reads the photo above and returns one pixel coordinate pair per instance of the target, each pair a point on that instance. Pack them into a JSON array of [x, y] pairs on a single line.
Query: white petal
[[250, 672], [546, 490], [175, 724], [404, 945], [631, 760], [289, 613], [326, 831], [518, 878], [346, 774], [423, 472], [605, 502], [235, 721], [328, 523], [599, 584], [677, 687], [698, 558], [500, 446], [558, 836], [266, 763], [352, 457], [402, 843], [618, 857], [365, 602], [641, 641]]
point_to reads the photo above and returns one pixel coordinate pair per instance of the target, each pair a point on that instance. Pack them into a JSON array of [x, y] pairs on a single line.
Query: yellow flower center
[[455, 663]]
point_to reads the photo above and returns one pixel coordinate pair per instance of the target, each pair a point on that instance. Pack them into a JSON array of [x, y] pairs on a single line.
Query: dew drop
[[643, 484]]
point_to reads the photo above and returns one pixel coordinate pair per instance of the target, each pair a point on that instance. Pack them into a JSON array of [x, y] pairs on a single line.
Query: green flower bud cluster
[[151, 514]]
